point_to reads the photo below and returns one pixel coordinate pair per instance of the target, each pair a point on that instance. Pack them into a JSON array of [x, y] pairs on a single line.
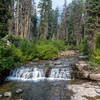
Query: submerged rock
[[1, 95], [7, 94], [57, 63], [19, 91]]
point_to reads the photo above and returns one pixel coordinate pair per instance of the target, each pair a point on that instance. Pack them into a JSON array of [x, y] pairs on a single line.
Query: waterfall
[[60, 74], [25, 74], [37, 74]]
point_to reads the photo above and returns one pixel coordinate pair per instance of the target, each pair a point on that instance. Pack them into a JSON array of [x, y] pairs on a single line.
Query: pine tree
[[64, 28], [45, 28], [93, 20], [4, 16], [55, 23]]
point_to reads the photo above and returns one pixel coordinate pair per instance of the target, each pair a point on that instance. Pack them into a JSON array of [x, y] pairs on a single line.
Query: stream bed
[[48, 80]]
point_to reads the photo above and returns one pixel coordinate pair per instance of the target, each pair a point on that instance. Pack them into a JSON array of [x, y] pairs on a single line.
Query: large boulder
[[19, 91], [7, 94], [94, 77], [81, 72], [81, 67], [57, 63]]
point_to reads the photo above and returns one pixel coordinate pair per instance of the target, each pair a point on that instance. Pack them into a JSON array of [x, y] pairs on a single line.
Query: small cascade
[[24, 74], [60, 74], [37, 74]]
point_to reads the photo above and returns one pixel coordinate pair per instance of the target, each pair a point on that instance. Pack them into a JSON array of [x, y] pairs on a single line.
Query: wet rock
[[47, 70], [97, 91], [19, 91], [7, 94], [83, 57], [1, 95], [95, 77], [80, 70], [57, 63]]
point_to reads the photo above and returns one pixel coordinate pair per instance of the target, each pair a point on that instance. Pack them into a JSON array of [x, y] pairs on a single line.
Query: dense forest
[[28, 32], [49, 53]]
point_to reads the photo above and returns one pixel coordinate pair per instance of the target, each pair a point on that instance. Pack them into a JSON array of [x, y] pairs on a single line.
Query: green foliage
[[84, 46], [28, 49], [98, 41], [59, 44], [21, 50], [15, 40], [4, 16], [95, 56], [49, 48], [47, 51], [9, 56]]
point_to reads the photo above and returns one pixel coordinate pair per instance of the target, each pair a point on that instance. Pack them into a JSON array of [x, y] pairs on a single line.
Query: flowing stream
[[43, 80]]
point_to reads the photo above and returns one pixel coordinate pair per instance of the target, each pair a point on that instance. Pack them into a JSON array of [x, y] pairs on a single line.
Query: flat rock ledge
[[82, 72], [85, 91]]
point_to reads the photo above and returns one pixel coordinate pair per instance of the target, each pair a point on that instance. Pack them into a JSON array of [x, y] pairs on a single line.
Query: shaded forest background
[[27, 35], [77, 20]]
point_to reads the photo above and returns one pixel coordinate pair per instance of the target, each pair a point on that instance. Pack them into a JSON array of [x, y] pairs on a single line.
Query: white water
[[27, 74], [36, 74], [60, 74]]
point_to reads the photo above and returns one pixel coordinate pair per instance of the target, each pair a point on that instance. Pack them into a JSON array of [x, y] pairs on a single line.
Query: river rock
[[97, 91], [7, 94], [84, 57], [57, 63], [1, 95], [47, 71], [81, 71], [19, 91], [86, 89], [95, 77]]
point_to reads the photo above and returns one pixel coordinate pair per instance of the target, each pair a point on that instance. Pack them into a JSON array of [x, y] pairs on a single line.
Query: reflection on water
[[38, 91]]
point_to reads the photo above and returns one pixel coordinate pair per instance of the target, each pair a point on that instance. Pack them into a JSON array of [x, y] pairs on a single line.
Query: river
[[48, 80]]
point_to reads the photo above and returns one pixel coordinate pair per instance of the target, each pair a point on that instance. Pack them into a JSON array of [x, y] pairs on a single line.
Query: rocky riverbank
[[84, 71], [85, 91], [80, 87]]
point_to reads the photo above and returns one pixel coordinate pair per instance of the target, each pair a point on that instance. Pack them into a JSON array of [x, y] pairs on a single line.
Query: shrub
[[98, 41], [20, 50], [84, 46], [18, 55], [8, 58], [95, 56], [72, 47], [28, 49], [47, 51], [14, 39], [59, 44]]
